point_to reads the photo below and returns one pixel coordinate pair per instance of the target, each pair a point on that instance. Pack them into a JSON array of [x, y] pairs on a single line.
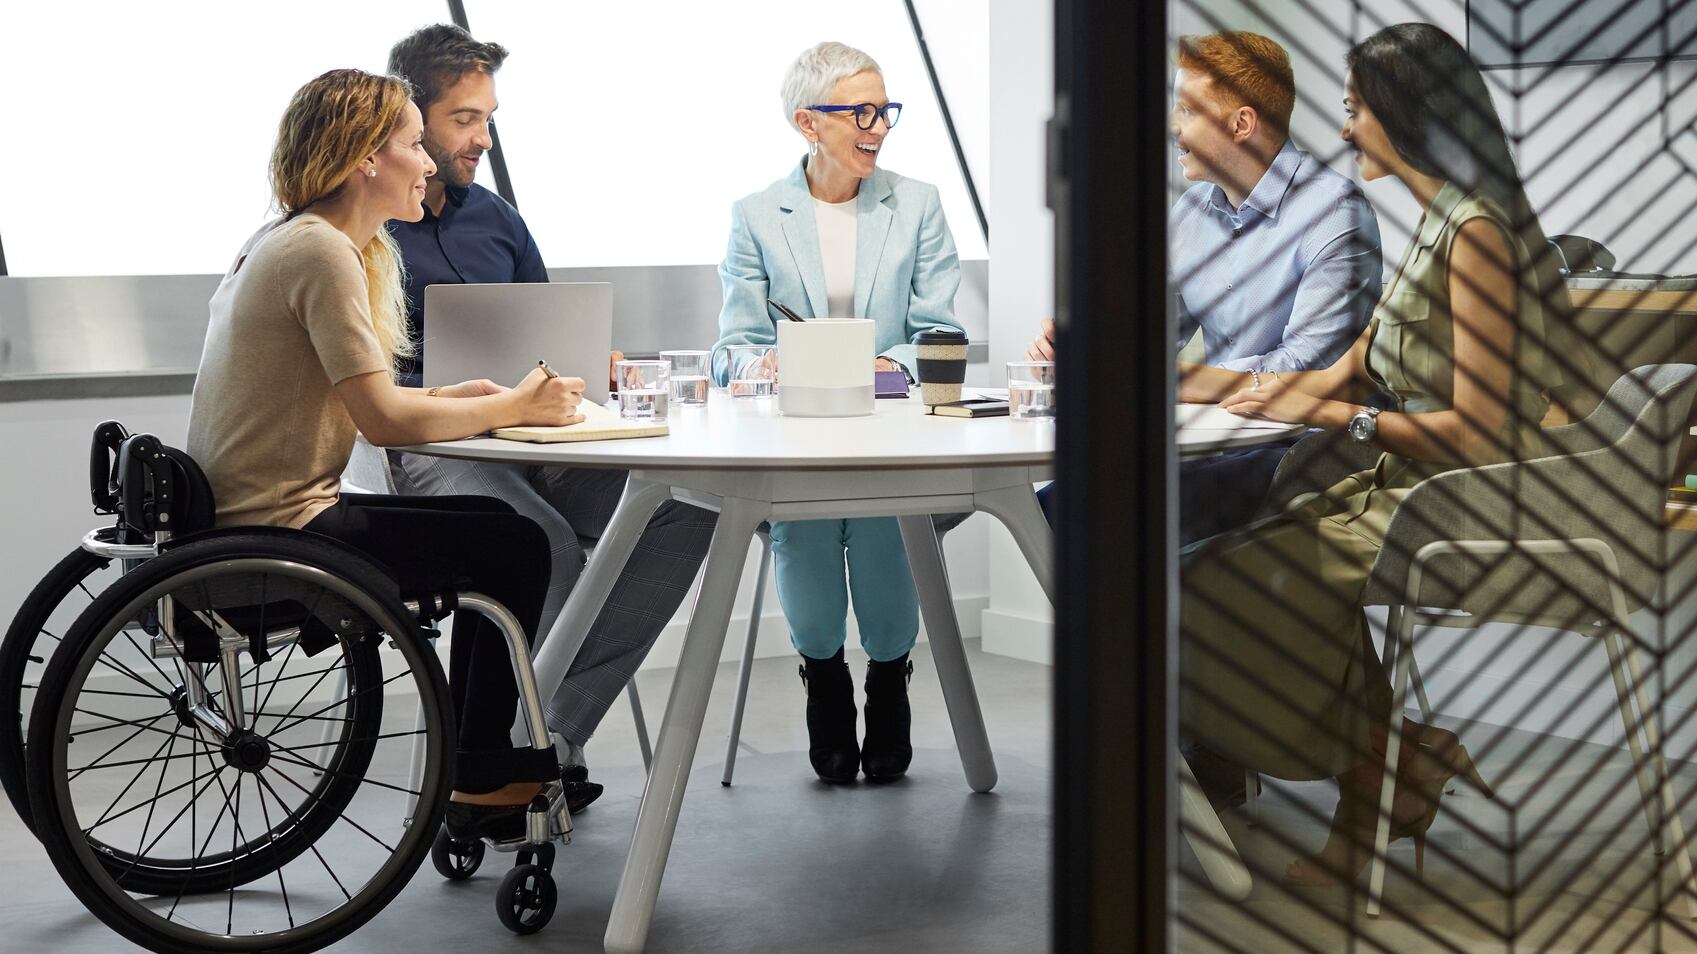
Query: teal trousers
[[810, 557]]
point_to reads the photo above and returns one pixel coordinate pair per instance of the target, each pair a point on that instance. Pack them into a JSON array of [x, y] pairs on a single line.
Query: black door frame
[[1115, 642]]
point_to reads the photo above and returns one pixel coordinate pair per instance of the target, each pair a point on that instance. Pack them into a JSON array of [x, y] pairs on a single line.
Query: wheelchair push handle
[[146, 484], [102, 466]]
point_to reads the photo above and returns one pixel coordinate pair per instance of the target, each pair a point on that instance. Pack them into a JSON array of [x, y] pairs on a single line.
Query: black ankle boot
[[830, 718], [888, 750]]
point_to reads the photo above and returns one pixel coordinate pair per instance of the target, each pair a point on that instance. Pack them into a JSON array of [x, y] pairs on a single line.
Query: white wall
[[1017, 621]]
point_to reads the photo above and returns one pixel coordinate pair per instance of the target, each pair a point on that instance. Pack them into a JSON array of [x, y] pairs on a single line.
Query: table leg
[[680, 729], [1017, 509], [931, 580], [630, 518], [1208, 838]]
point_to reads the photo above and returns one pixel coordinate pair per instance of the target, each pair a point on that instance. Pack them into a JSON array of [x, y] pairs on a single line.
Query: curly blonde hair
[[332, 123]]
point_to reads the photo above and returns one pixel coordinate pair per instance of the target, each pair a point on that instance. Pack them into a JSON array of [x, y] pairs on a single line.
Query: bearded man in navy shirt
[[469, 234]]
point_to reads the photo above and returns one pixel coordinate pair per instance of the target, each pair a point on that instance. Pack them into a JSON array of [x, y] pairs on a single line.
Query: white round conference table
[[741, 458]]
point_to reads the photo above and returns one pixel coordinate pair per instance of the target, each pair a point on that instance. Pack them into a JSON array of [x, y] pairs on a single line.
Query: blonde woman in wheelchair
[[305, 332]]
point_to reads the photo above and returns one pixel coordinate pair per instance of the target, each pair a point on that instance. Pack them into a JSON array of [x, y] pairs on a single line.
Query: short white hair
[[817, 71]]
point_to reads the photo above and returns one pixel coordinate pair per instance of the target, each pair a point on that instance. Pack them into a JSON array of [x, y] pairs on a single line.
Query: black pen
[[785, 309], [543, 364]]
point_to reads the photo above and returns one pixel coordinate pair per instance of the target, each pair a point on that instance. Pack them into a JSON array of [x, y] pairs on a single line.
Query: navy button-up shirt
[[478, 238], [1285, 283]]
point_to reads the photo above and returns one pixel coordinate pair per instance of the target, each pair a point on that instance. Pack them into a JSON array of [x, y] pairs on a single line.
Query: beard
[[446, 169]]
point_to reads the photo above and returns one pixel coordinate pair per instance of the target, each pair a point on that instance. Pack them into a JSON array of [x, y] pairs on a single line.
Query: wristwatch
[[1364, 426]]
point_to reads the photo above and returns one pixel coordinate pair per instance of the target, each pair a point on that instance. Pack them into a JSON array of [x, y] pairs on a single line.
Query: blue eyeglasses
[[866, 114]]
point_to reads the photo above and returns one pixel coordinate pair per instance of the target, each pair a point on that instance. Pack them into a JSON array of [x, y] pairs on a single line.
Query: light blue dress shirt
[[1284, 283]]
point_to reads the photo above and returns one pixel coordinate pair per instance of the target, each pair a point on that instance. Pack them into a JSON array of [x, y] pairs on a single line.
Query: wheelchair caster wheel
[[455, 860], [525, 902]]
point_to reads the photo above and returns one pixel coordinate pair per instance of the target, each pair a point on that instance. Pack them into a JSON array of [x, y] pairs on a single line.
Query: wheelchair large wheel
[[255, 829], [33, 635], [50, 609]]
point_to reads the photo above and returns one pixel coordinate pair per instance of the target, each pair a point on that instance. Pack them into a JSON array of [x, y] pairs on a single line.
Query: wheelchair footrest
[[547, 820]]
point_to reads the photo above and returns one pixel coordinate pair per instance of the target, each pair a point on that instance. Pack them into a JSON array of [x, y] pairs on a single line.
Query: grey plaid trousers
[[573, 507]]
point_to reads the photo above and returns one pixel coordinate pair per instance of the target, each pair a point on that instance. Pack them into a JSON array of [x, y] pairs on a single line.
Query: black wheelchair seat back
[[151, 487]]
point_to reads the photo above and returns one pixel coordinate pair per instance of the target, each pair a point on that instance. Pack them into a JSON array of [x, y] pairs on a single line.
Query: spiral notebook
[[598, 424]]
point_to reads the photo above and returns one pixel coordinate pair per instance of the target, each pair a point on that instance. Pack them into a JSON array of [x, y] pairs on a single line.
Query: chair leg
[[415, 765], [641, 724], [1658, 765], [1399, 640], [1252, 795], [1641, 773], [1419, 688], [734, 736], [326, 737], [1207, 837]]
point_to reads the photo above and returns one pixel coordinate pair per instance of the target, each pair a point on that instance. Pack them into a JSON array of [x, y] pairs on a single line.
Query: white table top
[[750, 434], [1204, 429]]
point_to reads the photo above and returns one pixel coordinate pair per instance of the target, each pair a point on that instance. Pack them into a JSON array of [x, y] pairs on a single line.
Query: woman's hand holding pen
[[546, 399]]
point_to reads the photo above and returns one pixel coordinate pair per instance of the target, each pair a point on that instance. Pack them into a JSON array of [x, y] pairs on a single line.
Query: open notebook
[[598, 424]]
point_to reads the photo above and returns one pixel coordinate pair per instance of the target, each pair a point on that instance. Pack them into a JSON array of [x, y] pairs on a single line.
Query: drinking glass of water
[[689, 377], [754, 371], [643, 389], [1031, 390]]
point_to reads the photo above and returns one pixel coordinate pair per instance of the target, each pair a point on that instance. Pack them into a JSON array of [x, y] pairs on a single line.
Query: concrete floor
[[1565, 838], [782, 863], [778, 862]]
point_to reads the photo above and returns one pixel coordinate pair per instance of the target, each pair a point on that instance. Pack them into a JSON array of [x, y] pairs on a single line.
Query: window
[[140, 142], [630, 128]]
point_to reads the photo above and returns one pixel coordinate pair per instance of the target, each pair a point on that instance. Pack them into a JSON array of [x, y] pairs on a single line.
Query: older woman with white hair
[[840, 237]]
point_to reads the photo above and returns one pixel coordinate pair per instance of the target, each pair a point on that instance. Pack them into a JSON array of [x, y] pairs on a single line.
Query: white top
[[749, 434], [838, 222]]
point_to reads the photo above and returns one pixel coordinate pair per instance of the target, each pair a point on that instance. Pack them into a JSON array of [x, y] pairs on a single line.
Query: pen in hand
[[543, 364]]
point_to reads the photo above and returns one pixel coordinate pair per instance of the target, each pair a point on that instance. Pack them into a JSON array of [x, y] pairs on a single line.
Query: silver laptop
[[499, 332]]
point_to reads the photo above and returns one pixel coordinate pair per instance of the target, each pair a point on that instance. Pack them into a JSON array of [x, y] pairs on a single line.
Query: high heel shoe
[[1429, 759]]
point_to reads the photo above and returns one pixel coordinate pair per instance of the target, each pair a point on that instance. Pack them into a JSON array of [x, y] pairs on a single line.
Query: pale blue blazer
[[906, 271]]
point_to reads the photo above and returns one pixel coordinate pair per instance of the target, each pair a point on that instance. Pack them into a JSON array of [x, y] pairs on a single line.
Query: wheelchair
[[209, 743]]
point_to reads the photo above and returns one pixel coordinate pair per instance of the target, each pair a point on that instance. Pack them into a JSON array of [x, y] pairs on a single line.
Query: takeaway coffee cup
[[942, 366]]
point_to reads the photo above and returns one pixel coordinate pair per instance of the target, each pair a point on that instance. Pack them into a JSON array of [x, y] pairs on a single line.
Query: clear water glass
[[753, 371], [1031, 390], [644, 389], [689, 377]]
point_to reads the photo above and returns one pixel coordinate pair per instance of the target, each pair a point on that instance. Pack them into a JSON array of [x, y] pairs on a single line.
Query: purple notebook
[[889, 384]]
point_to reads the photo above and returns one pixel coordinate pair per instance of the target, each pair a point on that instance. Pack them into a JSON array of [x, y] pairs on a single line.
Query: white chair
[[1571, 541]]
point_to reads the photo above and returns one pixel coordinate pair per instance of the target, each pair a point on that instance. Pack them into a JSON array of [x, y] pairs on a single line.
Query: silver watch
[[1364, 426]]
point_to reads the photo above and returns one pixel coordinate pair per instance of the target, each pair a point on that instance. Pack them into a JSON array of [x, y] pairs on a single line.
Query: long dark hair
[[1430, 99]]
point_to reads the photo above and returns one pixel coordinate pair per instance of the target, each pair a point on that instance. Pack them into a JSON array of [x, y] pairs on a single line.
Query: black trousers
[[436, 544]]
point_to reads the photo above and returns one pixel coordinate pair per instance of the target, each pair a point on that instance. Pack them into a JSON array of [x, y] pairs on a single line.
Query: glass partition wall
[[1504, 630]]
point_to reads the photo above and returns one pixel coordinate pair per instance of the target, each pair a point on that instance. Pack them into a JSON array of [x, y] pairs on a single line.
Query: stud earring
[[371, 172]]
